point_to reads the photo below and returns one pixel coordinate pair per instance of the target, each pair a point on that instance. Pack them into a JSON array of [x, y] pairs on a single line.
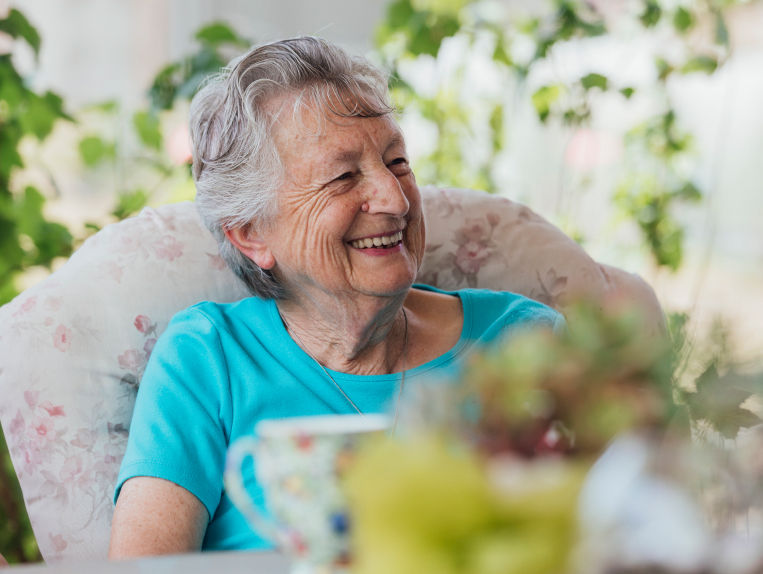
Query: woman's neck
[[366, 336]]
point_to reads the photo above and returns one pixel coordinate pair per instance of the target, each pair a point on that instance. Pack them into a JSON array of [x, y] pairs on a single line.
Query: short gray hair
[[236, 166]]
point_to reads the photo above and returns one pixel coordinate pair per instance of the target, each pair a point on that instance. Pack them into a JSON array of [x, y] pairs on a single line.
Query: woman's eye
[[345, 175], [399, 166]]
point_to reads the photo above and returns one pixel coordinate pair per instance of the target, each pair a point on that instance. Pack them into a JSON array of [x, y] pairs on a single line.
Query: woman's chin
[[387, 286]]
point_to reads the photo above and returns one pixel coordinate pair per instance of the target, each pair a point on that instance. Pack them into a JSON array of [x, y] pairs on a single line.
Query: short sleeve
[[180, 424]]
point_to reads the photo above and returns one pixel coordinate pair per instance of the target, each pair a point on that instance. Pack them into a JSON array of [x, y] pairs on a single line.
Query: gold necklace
[[337, 385]]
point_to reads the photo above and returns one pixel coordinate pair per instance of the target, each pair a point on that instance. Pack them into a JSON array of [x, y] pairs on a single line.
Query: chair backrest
[[73, 347]]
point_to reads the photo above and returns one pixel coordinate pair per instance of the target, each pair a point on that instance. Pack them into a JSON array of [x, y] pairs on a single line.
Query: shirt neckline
[[446, 357]]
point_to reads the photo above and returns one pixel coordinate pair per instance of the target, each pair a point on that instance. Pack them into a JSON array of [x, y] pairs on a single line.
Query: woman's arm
[[155, 516]]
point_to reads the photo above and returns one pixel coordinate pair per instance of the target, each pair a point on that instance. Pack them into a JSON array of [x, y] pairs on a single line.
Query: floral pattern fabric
[[73, 348]]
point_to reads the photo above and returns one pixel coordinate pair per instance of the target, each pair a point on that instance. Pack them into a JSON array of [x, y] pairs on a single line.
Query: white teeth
[[377, 241]]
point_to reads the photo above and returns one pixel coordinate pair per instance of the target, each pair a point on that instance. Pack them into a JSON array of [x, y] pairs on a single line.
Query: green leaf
[[17, 26], [219, 33], [399, 14], [501, 53], [651, 14], [427, 31], [664, 68], [594, 81], [8, 290], [627, 92], [678, 329], [719, 403], [12, 89], [706, 64], [751, 383], [683, 20], [107, 107], [41, 113], [688, 192], [130, 203], [496, 127], [191, 85], [721, 30], [161, 94], [10, 134], [543, 98], [148, 128], [50, 239], [94, 149], [12, 254]]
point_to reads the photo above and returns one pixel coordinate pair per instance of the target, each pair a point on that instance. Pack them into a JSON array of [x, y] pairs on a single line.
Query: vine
[[471, 131]]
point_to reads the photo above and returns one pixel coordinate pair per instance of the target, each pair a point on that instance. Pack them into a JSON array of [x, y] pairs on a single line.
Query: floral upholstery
[[73, 347]]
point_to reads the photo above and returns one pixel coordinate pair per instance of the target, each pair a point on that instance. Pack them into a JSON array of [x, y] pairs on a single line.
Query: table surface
[[201, 563]]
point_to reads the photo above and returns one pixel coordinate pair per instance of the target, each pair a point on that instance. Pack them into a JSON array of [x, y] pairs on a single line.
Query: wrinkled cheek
[[326, 260]]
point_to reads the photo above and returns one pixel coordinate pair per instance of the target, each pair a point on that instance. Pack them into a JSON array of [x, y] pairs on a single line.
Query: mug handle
[[239, 451]]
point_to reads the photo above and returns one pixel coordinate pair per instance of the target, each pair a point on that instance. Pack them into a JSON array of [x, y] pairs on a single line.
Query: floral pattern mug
[[299, 462]]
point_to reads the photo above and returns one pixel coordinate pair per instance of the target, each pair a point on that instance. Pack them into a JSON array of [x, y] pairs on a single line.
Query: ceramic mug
[[299, 463]]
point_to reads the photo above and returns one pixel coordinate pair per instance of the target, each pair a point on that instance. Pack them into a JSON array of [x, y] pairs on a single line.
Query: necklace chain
[[338, 386]]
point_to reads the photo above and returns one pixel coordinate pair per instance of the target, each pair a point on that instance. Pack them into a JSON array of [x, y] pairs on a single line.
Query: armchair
[[73, 347]]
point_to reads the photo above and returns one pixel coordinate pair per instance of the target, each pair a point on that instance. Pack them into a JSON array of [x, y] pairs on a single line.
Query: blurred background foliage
[[433, 49], [472, 125]]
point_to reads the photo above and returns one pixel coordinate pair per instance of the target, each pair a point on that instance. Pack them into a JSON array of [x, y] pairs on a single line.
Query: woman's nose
[[386, 195]]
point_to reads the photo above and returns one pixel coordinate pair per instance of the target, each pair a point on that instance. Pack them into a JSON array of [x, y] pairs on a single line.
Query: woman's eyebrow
[[345, 156], [397, 140]]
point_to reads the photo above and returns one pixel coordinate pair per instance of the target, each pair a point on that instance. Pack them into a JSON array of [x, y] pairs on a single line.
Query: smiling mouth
[[384, 241]]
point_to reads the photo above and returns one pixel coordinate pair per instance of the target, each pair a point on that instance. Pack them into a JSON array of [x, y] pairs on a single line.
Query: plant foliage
[[655, 180], [27, 237]]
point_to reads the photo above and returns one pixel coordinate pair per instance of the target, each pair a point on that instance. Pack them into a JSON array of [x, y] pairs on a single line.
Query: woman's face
[[349, 211]]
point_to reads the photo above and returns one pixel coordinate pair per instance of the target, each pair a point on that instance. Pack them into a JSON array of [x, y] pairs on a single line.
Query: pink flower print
[[168, 248], [215, 261], [32, 457], [53, 303], [17, 425], [475, 230], [31, 398], [149, 346], [53, 410], [62, 338], [42, 427], [26, 306], [144, 324], [70, 469], [471, 256], [85, 439], [131, 360], [127, 244], [114, 271], [58, 542], [112, 453]]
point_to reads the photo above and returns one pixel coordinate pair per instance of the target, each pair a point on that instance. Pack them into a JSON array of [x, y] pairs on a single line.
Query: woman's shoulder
[[213, 323], [485, 307], [486, 297], [214, 312]]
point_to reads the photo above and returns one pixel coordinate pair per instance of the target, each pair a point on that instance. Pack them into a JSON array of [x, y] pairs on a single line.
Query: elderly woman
[[303, 177]]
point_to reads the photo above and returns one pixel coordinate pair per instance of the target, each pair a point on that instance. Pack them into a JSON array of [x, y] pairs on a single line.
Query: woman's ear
[[251, 244]]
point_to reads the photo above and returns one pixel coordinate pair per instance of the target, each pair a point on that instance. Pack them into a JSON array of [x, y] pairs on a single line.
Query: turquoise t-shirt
[[220, 368]]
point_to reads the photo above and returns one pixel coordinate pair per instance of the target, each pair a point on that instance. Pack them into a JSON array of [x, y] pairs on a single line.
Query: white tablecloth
[[203, 563]]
